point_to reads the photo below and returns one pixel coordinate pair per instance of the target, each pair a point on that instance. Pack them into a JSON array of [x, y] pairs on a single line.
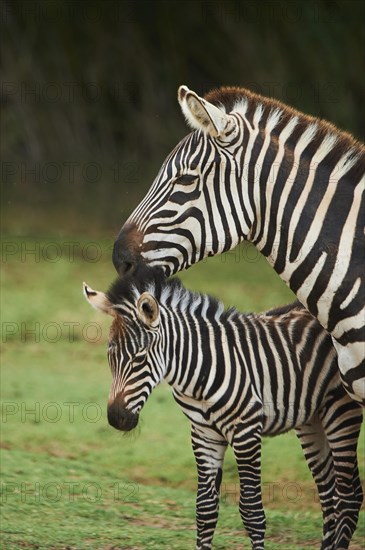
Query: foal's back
[[291, 362]]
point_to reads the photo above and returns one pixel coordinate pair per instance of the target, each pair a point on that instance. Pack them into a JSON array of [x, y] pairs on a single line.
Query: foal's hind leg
[[319, 459], [342, 420], [247, 450]]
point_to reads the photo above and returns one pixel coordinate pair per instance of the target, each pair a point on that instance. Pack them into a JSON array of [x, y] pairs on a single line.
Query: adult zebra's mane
[[174, 296], [242, 100]]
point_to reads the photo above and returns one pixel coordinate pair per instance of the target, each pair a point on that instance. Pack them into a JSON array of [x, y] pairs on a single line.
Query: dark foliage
[[89, 89]]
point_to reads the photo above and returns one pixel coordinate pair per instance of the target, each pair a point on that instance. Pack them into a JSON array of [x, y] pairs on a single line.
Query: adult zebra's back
[[293, 185]]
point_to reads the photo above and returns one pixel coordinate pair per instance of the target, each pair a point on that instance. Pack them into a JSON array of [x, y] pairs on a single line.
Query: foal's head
[[134, 349]]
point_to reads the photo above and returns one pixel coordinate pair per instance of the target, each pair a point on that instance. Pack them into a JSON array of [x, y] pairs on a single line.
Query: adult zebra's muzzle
[[127, 250], [121, 418]]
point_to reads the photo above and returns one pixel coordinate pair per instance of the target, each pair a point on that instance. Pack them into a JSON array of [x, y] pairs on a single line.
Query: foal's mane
[[172, 294], [169, 292], [140, 280]]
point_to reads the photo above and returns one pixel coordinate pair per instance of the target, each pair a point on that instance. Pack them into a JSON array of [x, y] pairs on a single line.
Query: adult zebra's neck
[[301, 179]]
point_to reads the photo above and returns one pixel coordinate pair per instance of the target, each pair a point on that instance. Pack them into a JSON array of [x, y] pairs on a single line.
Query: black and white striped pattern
[[237, 378], [291, 184]]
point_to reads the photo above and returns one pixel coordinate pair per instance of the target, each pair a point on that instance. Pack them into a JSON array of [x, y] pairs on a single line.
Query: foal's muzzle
[[121, 418]]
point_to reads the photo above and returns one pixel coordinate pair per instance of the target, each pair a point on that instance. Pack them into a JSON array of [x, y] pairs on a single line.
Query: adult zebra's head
[[134, 353], [190, 211]]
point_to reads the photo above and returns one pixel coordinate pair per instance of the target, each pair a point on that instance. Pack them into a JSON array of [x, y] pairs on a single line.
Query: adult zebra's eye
[[186, 189], [186, 178]]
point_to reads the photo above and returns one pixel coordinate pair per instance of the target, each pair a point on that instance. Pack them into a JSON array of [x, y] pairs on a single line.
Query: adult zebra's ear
[[202, 115], [148, 310], [98, 300]]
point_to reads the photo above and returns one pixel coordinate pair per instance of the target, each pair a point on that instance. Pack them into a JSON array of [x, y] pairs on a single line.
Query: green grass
[[69, 481]]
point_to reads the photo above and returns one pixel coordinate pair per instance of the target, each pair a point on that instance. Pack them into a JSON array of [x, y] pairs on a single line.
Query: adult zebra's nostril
[[122, 259], [125, 267], [126, 250]]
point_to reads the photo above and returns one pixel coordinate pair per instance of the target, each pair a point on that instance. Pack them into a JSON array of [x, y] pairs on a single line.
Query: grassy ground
[[71, 482]]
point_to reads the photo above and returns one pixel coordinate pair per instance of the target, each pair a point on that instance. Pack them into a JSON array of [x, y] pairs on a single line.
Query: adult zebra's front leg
[[247, 449], [209, 448], [342, 419]]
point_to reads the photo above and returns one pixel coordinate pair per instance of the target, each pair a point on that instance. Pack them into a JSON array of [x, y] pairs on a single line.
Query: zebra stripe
[[237, 378], [291, 184]]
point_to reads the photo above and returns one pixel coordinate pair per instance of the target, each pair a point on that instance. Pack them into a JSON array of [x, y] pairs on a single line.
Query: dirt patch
[[172, 524]]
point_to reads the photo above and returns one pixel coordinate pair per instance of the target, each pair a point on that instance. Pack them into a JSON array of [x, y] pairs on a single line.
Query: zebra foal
[[236, 377]]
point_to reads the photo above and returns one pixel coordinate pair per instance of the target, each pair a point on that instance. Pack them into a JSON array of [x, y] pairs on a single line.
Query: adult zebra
[[236, 377], [293, 185]]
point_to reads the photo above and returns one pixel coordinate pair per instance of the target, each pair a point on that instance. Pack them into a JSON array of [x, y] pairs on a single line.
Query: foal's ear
[[98, 300], [148, 310], [200, 114]]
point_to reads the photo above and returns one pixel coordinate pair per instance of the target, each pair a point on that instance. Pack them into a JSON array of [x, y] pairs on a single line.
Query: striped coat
[[255, 169], [237, 378]]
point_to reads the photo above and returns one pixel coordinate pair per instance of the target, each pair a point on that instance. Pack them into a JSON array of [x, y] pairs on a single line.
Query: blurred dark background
[[88, 91]]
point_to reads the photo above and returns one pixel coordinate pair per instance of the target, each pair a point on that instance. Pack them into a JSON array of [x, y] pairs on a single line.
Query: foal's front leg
[[209, 449], [247, 449]]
